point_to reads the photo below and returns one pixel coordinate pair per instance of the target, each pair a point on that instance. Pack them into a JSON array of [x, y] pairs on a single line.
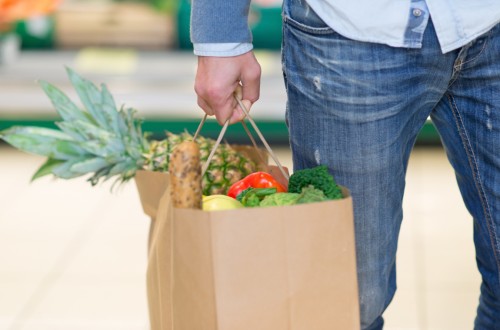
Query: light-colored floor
[[73, 257]]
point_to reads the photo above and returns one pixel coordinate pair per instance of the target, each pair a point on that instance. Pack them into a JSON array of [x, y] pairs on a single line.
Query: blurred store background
[[141, 50], [64, 264]]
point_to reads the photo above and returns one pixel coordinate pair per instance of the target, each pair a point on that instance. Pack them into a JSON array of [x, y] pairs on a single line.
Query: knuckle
[[253, 75], [214, 92], [199, 89], [257, 70]]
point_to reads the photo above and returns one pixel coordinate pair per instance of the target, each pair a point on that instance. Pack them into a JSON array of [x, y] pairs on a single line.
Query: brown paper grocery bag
[[151, 187], [276, 268]]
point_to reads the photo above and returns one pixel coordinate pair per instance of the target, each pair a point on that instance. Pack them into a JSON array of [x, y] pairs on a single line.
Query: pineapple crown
[[98, 139]]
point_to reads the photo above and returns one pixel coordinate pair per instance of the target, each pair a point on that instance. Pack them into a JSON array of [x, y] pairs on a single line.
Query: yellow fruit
[[220, 202]]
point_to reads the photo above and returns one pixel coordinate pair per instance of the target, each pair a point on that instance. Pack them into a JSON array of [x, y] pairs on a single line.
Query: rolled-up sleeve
[[220, 21]]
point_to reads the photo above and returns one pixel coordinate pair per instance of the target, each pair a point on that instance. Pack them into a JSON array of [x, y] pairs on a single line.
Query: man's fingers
[[250, 79], [204, 105], [224, 110], [238, 114], [230, 109], [216, 80]]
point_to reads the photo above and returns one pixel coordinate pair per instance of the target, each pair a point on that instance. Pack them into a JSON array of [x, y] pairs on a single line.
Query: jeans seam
[[480, 52], [284, 73], [457, 69], [283, 54], [476, 176]]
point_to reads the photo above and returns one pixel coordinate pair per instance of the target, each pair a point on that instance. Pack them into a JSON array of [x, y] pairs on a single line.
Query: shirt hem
[[459, 43]]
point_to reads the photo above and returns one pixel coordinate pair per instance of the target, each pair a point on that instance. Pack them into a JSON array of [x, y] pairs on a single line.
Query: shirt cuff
[[221, 49]]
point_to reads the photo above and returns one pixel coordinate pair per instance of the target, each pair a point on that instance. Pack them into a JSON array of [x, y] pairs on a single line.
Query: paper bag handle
[[223, 131]]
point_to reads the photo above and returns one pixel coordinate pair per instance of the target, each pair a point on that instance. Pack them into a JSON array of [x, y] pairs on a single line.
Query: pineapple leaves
[[116, 131], [42, 141], [63, 105], [100, 104], [134, 141], [96, 138], [47, 168], [89, 165], [109, 108], [70, 128], [32, 130], [64, 171], [88, 132], [122, 167]]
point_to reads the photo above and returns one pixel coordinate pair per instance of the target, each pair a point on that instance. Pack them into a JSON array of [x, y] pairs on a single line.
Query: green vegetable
[[251, 197], [308, 194], [280, 199], [319, 178]]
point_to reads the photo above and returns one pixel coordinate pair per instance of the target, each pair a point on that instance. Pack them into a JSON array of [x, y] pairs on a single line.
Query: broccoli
[[319, 178], [310, 194], [280, 199]]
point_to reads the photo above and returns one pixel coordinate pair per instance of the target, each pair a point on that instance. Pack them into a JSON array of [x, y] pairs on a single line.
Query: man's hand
[[218, 78]]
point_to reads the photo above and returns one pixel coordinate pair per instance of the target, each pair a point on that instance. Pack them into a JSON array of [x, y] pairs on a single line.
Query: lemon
[[220, 202]]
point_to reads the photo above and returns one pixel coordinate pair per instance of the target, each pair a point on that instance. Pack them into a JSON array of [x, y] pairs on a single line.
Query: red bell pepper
[[255, 180]]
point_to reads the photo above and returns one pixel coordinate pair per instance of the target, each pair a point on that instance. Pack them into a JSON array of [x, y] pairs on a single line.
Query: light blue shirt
[[391, 22]]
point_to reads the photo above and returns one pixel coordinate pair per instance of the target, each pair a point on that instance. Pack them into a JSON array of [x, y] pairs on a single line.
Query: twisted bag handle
[[223, 131]]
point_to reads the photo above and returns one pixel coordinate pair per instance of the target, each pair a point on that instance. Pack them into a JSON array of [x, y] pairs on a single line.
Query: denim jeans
[[358, 107]]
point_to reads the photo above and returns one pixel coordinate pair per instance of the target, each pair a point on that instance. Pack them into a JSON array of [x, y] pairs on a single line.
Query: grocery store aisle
[[73, 256]]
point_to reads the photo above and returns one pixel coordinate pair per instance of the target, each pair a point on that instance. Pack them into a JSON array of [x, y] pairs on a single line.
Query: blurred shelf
[[157, 83], [106, 23], [275, 131]]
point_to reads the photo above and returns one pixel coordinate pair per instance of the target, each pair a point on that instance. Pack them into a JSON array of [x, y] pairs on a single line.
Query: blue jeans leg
[[468, 119], [358, 107]]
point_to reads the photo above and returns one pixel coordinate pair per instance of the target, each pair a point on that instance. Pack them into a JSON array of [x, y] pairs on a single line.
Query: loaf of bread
[[185, 176]]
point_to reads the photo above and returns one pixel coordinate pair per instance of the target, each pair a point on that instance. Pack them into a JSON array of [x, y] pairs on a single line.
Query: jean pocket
[[299, 15]]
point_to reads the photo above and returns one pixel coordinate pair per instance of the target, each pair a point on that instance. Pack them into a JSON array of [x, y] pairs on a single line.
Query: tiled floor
[[73, 257]]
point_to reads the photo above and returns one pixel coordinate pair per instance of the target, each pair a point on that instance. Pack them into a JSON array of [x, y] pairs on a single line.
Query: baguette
[[185, 176]]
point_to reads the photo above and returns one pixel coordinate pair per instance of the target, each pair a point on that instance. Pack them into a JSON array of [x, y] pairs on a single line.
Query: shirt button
[[417, 12]]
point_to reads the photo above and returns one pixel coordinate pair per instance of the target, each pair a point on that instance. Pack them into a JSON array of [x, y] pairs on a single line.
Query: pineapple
[[106, 142], [226, 167]]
